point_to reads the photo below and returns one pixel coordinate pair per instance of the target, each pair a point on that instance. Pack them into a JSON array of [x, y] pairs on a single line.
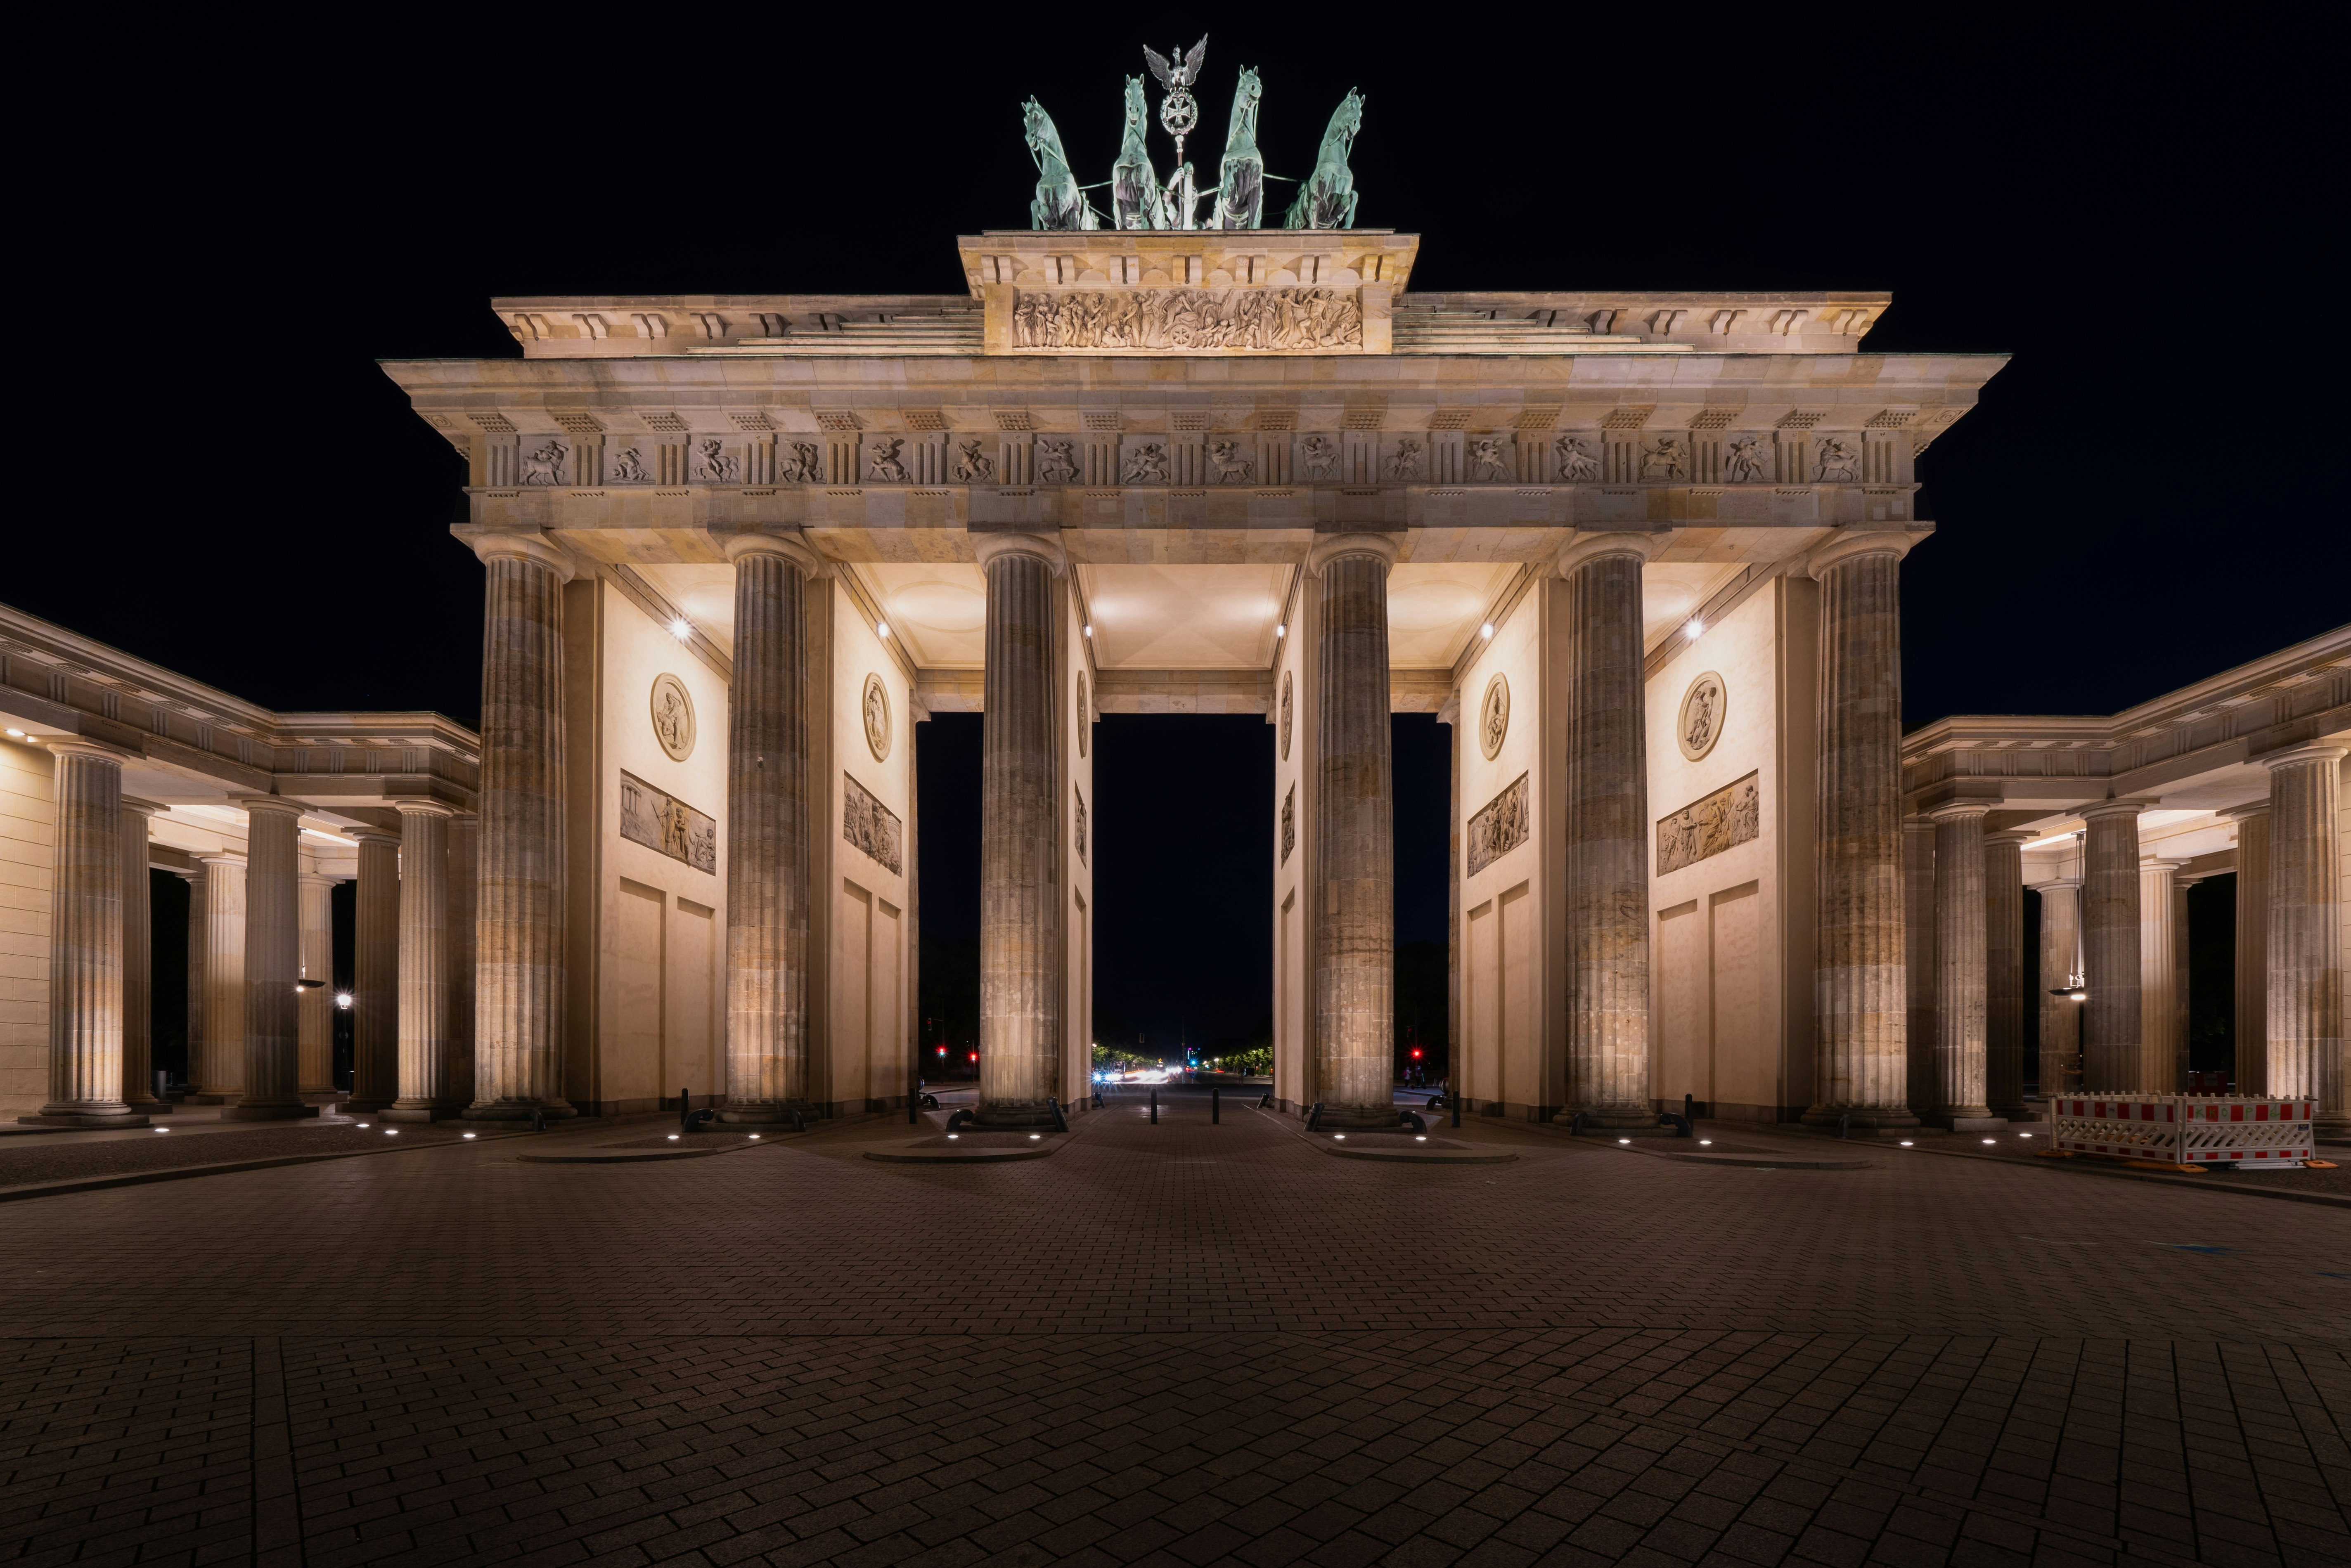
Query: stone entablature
[[56, 682], [2209, 736]]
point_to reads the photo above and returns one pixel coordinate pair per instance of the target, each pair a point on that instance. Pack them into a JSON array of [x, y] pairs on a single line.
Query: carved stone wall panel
[[667, 825], [1289, 823], [1705, 827], [871, 827], [1499, 826], [1143, 460], [1305, 321]]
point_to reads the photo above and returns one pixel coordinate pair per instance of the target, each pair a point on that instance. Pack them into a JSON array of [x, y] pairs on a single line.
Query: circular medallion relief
[[1704, 706], [1285, 716], [672, 717], [1494, 717], [877, 717], [1082, 724]]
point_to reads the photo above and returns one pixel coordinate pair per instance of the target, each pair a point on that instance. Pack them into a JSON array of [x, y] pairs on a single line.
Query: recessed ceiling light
[[1089, 628], [1694, 628], [881, 628], [1280, 629], [680, 628], [1487, 630]]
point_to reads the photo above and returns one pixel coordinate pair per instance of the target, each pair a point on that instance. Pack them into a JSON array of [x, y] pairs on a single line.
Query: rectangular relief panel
[[667, 825], [871, 826], [1499, 826], [1705, 827]]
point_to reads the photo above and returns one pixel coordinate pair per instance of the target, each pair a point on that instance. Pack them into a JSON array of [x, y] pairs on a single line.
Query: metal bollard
[[798, 1125], [1314, 1116], [1060, 1122], [1216, 1106], [1575, 1128], [1453, 1098], [684, 1110], [1155, 1107]]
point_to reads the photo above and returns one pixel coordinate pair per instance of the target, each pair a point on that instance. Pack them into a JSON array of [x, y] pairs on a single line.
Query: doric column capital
[[531, 545], [2156, 862], [2129, 808], [1328, 548], [1960, 811], [786, 544], [312, 879], [250, 804], [1638, 543], [224, 858], [1848, 542], [422, 806], [2057, 885], [74, 746], [1450, 713], [2300, 754], [144, 808], [368, 832], [2239, 813], [2018, 836], [988, 546]]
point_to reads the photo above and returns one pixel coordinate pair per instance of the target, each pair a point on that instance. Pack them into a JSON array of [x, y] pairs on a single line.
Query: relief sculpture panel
[[871, 826], [1731, 815], [1499, 826], [1187, 321], [667, 825]]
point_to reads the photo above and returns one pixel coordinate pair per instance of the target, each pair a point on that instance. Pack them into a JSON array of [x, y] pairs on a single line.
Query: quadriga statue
[[1059, 205], [1240, 182], [1327, 199]]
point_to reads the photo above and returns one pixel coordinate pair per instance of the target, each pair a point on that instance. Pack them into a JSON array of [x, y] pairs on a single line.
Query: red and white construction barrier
[[2186, 1129]]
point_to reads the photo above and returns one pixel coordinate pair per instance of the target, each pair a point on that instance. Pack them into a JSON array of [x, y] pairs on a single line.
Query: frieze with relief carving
[[1732, 816], [1499, 826], [1190, 320]]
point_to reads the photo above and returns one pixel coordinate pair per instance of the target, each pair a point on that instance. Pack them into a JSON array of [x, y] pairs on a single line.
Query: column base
[[207, 1097], [517, 1110], [369, 1107], [1860, 1119], [769, 1116], [279, 1112], [1614, 1124], [1970, 1121], [1375, 1118], [425, 1112], [123, 1118], [1015, 1118]]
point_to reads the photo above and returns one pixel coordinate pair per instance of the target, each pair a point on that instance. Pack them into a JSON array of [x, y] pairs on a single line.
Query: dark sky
[[234, 227]]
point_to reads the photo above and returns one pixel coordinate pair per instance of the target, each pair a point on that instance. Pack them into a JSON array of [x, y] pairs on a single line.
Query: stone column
[[219, 1074], [138, 962], [2181, 1014], [1354, 953], [85, 943], [1606, 768], [1019, 907], [1861, 992], [1959, 1066], [315, 1008], [2305, 957], [2251, 1013], [2060, 946], [518, 925], [767, 832], [196, 979], [465, 852], [425, 1069], [273, 962], [375, 975], [2158, 1054], [1918, 937], [2110, 941], [2004, 970]]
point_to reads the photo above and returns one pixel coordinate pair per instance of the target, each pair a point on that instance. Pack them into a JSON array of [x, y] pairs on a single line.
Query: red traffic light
[[943, 1050], [975, 1056], [1416, 1053]]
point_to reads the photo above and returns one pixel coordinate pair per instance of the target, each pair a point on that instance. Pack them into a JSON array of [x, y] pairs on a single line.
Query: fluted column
[[219, 1071], [273, 962], [1354, 958], [1959, 1066], [2061, 947], [519, 926], [138, 962], [425, 1068], [767, 832], [1918, 937], [1860, 991], [315, 1008], [2250, 1011], [464, 855], [2305, 956], [1019, 926], [2159, 979], [375, 973], [2110, 945], [1606, 769], [197, 949], [2004, 875], [2182, 1015], [86, 944]]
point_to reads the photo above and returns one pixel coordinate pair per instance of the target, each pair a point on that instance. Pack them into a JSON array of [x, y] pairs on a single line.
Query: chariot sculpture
[[1325, 200]]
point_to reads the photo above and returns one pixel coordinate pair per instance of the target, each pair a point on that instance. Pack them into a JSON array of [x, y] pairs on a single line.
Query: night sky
[[228, 236]]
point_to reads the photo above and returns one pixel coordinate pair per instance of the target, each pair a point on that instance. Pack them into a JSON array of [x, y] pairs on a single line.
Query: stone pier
[[1354, 953], [1608, 843], [2250, 1009], [520, 901], [217, 1064], [86, 944], [2004, 972], [1861, 992], [315, 1008], [2161, 1044], [375, 973], [1960, 946], [1019, 911], [2061, 948], [426, 1059], [1918, 938], [767, 832], [273, 963], [2112, 1055], [138, 961], [2305, 932]]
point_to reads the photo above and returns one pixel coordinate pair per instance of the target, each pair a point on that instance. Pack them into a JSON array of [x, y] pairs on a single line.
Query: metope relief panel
[[1289, 823], [1190, 320], [1732, 815], [1499, 826], [667, 825], [871, 826]]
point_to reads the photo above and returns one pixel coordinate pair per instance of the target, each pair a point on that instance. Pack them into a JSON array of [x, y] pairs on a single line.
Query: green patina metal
[[1138, 200]]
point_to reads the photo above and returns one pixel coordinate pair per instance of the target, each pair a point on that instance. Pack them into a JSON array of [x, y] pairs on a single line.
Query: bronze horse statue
[[1059, 205], [1327, 199]]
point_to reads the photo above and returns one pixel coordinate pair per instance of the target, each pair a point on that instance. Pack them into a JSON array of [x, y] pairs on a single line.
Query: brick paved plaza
[[1179, 1343]]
